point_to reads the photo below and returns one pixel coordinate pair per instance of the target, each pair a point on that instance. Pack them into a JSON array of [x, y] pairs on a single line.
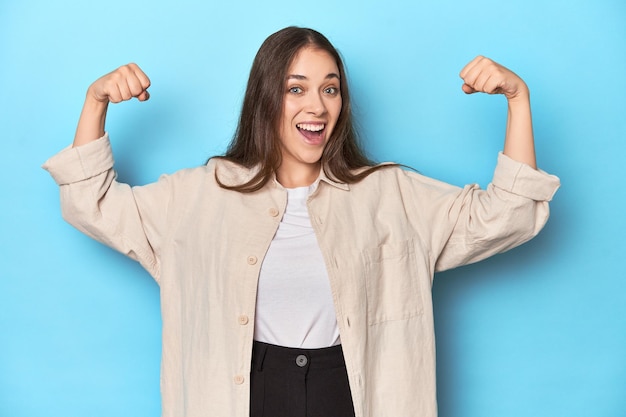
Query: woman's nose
[[315, 104]]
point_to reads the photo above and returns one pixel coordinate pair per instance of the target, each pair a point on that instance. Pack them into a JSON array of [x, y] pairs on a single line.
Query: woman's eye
[[331, 90], [295, 90]]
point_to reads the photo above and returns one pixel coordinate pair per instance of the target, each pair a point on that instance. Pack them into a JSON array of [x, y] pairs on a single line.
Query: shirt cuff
[[521, 179], [74, 164]]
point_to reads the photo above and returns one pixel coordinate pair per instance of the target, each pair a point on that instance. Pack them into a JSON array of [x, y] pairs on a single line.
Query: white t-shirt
[[294, 301]]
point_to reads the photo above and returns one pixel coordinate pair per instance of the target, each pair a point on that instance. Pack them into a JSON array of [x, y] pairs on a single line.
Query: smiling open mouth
[[312, 131]]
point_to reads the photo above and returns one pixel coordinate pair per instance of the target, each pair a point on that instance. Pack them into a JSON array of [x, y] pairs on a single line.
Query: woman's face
[[311, 107]]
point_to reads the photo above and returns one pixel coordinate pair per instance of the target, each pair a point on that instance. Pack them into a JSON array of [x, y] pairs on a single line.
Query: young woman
[[296, 275]]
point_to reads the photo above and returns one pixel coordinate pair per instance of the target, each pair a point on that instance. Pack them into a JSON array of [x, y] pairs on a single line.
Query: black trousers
[[288, 382]]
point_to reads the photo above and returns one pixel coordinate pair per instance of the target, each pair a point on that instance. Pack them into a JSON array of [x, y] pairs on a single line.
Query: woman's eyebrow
[[303, 77]]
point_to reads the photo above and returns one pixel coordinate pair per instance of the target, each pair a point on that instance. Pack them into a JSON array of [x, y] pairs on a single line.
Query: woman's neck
[[300, 176]]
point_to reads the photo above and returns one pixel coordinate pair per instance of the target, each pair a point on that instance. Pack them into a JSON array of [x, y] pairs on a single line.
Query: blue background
[[538, 331]]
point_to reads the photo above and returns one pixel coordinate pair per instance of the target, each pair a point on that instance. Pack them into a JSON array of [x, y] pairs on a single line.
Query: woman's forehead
[[313, 62]]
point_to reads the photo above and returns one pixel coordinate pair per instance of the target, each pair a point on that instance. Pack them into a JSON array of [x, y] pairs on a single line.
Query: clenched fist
[[486, 76], [124, 83]]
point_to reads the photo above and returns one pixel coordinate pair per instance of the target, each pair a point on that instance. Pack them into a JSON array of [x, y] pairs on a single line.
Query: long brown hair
[[256, 140]]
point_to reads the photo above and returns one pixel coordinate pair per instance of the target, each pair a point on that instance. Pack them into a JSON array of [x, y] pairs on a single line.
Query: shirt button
[[301, 360], [238, 379], [252, 260], [243, 319], [273, 212]]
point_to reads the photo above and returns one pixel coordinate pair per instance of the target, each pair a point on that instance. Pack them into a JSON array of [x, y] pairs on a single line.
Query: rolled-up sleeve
[[478, 223], [128, 219], [518, 178]]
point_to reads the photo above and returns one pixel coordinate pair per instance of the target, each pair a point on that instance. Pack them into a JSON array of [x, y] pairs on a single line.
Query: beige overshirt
[[382, 240]]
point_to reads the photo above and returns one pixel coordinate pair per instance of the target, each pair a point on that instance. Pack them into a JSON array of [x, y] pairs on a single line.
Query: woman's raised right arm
[[129, 219], [124, 83]]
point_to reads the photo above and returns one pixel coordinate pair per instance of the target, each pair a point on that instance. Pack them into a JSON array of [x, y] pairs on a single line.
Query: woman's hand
[[124, 83], [486, 76], [482, 75]]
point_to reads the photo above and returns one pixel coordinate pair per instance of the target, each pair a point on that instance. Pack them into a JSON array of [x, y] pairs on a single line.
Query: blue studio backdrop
[[537, 331]]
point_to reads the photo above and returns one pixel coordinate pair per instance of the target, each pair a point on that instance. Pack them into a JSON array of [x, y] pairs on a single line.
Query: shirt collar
[[321, 177], [328, 180]]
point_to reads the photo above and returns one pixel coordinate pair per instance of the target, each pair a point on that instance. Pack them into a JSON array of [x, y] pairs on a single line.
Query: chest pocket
[[392, 283]]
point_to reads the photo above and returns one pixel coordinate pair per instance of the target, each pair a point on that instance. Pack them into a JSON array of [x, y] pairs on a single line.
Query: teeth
[[310, 127]]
